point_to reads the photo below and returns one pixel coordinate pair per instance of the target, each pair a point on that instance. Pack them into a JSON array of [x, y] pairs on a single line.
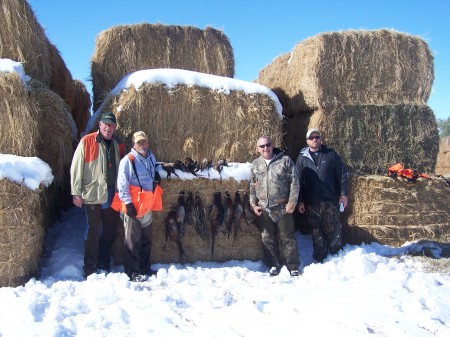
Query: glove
[[156, 180], [131, 210]]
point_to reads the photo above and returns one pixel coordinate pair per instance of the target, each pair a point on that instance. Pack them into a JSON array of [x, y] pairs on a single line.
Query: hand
[[77, 200], [344, 200], [290, 208], [301, 207], [131, 210], [257, 210], [156, 180]]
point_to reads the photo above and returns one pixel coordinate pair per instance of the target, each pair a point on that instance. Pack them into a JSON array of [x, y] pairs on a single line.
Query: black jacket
[[326, 181]]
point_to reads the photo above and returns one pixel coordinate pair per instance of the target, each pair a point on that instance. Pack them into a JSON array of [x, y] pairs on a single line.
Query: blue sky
[[259, 31]]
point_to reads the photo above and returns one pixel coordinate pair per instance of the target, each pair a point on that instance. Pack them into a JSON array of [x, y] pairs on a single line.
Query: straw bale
[[61, 80], [370, 138], [443, 164], [247, 245], [444, 144], [23, 39], [353, 67], [196, 122], [81, 106], [124, 49], [22, 232], [18, 125], [393, 211]]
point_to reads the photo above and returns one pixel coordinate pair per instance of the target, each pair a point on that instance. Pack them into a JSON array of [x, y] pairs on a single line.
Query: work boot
[[89, 270], [274, 271]]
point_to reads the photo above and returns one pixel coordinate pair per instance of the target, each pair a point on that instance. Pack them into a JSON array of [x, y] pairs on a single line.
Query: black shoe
[[274, 271], [89, 270], [295, 272], [136, 277], [105, 268]]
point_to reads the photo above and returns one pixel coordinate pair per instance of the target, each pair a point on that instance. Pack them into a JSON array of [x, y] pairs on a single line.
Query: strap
[[131, 157]]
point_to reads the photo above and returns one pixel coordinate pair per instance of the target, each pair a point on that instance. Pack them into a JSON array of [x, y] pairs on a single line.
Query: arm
[[253, 200], [294, 188], [76, 175], [123, 180]]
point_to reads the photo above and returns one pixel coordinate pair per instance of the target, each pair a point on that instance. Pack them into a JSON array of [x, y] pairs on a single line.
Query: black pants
[[100, 237], [279, 236], [138, 245]]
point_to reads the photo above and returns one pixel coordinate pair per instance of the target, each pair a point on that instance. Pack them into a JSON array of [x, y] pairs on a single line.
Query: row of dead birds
[[192, 166], [223, 216]]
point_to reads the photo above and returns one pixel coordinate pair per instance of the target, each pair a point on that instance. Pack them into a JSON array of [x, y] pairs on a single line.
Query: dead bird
[[248, 214], [189, 210], [181, 214], [179, 165], [200, 217], [206, 165], [216, 216], [172, 232], [219, 166], [169, 168], [238, 212], [228, 219], [191, 165]]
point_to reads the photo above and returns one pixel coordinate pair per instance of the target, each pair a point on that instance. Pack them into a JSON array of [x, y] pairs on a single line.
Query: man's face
[[265, 148], [141, 147], [314, 141], [107, 129]]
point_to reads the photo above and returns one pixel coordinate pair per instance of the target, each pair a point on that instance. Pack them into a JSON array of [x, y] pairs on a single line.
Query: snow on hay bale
[[353, 67], [370, 138], [22, 232], [443, 158], [186, 120], [23, 39], [393, 211], [124, 49]]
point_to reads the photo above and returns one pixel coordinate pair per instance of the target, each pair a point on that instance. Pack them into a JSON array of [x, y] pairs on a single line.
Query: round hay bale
[[443, 164], [82, 106], [370, 138], [393, 211], [22, 232], [23, 39], [353, 67], [18, 124], [124, 49], [196, 122]]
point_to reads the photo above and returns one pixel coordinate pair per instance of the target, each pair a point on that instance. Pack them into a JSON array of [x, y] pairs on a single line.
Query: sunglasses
[[265, 145], [314, 137]]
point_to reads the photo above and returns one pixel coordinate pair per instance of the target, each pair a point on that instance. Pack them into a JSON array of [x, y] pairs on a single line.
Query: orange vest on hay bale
[[398, 170], [143, 201]]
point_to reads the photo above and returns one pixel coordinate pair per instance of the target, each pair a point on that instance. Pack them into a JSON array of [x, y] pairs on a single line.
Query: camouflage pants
[[279, 236], [323, 217]]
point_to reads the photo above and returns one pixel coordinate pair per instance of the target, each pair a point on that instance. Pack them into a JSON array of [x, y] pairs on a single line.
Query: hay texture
[[443, 158], [352, 67], [22, 232], [196, 122], [124, 49], [246, 246], [23, 39], [370, 138], [82, 106], [393, 211]]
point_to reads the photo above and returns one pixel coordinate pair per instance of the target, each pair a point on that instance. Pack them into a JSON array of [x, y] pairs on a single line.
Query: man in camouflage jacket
[[273, 196]]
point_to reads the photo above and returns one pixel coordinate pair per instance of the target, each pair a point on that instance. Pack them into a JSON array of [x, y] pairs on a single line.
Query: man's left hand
[[290, 208]]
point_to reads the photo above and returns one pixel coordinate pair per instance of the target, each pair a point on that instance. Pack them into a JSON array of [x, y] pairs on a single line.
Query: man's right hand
[[77, 200], [301, 207], [131, 210]]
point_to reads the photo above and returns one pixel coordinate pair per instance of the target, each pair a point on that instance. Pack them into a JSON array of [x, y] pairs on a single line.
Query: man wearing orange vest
[[93, 178], [137, 180]]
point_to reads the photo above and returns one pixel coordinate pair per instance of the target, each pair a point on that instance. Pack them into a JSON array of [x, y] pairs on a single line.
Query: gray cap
[[312, 131]]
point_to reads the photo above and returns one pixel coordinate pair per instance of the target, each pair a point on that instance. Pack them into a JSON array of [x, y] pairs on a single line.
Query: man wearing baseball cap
[[138, 186], [323, 187], [93, 178]]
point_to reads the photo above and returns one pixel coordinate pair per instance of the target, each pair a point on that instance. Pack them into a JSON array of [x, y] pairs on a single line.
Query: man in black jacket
[[323, 191]]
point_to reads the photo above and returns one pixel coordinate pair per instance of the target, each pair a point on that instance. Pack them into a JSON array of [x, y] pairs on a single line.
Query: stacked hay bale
[[353, 80], [443, 158], [125, 49], [23, 39], [196, 122], [28, 111], [393, 211], [367, 92]]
